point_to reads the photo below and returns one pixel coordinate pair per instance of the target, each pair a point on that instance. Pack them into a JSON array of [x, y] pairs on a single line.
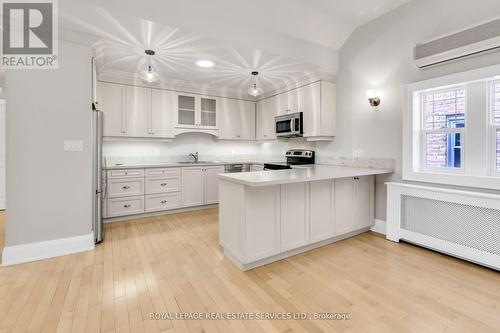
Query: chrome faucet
[[195, 156]]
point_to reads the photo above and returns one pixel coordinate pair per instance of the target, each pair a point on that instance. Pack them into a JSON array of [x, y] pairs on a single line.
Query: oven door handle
[[292, 125]]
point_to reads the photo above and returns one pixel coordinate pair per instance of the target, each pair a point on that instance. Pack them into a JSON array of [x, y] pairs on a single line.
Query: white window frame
[[478, 175], [425, 132], [493, 128]]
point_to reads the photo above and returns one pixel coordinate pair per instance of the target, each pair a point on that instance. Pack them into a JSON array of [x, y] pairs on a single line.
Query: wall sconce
[[373, 98]]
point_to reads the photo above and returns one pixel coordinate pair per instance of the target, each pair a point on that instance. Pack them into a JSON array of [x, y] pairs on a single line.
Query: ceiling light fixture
[[254, 91], [205, 63], [149, 75]]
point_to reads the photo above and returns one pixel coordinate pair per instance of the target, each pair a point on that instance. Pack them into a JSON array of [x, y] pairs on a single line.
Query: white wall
[[49, 190], [2, 153], [207, 145], [378, 56]]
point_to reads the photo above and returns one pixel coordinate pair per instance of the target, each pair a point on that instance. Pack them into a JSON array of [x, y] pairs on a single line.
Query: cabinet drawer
[[163, 172], [158, 202], [125, 173], [125, 206], [162, 185], [125, 187]]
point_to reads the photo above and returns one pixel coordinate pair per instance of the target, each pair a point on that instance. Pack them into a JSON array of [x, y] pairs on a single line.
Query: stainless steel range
[[295, 158]]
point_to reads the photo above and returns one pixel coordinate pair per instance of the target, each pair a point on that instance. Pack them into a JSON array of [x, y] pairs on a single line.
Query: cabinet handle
[[127, 206], [126, 187], [163, 184], [163, 202]]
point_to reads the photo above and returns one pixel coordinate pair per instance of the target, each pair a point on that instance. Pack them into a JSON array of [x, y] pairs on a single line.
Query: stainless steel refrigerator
[[97, 174]]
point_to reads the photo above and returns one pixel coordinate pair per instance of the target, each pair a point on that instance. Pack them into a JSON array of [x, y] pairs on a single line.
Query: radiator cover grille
[[472, 226]]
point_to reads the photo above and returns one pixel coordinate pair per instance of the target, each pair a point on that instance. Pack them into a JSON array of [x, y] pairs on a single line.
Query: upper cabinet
[[236, 120], [162, 107], [111, 100], [315, 100], [267, 109], [196, 112], [136, 112]]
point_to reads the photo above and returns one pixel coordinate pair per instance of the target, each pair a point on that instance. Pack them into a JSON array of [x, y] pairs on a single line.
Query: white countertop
[[174, 164], [317, 172]]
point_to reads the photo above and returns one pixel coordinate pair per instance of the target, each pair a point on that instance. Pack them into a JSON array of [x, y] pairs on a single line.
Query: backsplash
[[378, 163], [211, 149]]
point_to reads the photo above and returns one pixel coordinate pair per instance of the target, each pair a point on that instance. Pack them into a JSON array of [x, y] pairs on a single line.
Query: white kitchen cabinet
[[196, 112], [137, 111], [294, 215], [263, 222], [125, 206], [131, 111], [200, 185], [192, 186], [354, 204], [317, 103], [161, 120], [111, 101], [322, 195], [364, 194], [309, 102], [211, 184], [266, 111], [236, 119]]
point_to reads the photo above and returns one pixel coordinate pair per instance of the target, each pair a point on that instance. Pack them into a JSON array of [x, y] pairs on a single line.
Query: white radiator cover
[[461, 223]]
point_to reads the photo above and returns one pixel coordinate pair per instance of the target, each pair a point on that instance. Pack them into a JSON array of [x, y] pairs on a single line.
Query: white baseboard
[[18, 254], [379, 227]]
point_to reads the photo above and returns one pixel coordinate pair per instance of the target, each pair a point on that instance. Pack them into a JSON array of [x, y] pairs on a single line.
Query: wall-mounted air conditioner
[[478, 39]]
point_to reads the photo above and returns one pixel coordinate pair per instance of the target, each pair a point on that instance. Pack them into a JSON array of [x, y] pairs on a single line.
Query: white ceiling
[[285, 40]]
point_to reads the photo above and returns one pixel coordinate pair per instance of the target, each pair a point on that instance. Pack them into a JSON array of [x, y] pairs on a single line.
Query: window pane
[[496, 104], [440, 105], [443, 150], [498, 150]]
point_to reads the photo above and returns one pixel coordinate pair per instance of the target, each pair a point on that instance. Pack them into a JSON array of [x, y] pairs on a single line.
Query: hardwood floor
[[174, 264]]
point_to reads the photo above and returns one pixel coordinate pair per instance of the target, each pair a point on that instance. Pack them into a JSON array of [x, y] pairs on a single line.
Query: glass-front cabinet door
[[208, 112], [196, 111], [186, 110]]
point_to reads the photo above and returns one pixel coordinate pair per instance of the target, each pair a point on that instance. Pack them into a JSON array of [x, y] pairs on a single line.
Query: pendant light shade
[[254, 90], [149, 75]]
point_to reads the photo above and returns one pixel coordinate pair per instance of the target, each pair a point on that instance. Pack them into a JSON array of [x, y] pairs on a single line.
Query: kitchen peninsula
[[266, 216]]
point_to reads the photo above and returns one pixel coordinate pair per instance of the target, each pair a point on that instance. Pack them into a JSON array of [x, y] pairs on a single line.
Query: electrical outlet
[[73, 145], [357, 153]]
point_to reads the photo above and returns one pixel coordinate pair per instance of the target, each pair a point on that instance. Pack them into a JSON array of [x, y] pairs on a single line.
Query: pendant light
[[150, 75], [254, 90]]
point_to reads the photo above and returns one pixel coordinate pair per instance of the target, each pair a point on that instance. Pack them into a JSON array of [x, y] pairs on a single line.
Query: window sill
[[457, 179]]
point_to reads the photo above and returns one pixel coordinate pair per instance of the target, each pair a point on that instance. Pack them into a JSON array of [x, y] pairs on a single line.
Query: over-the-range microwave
[[289, 125]]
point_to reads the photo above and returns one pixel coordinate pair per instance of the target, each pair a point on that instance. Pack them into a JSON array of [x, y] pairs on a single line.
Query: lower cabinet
[[262, 211], [159, 202], [192, 186], [295, 215], [200, 185], [256, 223], [322, 198], [137, 191], [211, 184], [125, 206], [354, 204]]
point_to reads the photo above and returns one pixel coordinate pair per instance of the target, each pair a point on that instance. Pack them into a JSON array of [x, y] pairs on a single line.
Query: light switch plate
[[73, 145]]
